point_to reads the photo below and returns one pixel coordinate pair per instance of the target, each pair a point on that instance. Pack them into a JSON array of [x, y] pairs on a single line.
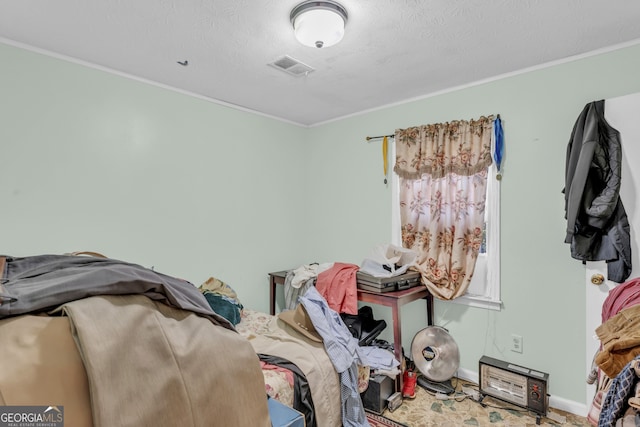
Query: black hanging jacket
[[597, 224]]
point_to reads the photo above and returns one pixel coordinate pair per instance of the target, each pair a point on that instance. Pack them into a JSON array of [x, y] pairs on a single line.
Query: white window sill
[[477, 301]]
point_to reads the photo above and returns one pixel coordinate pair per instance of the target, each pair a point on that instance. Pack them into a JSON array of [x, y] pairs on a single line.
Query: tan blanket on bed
[[40, 366], [281, 340], [149, 364], [146, 364]]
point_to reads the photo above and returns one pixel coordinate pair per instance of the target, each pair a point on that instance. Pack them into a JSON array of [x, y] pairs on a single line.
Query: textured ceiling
[[392, 50]]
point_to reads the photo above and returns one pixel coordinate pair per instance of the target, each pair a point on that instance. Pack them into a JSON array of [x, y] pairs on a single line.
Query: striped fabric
[[615, 402], [344, 352]]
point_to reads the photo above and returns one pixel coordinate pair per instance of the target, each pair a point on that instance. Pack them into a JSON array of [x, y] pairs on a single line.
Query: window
[[484, 290]]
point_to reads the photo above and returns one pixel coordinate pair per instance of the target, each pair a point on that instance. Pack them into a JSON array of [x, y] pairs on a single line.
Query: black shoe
[[368, 336], [365, 313], [353, 323]]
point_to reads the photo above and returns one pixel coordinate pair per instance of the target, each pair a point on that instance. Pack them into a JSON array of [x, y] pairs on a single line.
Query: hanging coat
[[597, 224]]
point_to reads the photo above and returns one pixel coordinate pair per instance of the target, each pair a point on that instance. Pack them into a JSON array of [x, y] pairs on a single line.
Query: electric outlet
[[516, 343]]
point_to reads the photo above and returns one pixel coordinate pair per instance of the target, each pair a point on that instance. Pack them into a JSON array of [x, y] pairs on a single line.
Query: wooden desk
[[395, 300]]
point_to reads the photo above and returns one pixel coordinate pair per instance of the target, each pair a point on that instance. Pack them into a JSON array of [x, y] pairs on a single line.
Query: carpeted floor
[[427, 411]]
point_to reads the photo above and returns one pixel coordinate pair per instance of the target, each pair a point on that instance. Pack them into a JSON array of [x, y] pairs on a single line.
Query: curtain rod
[[369, 138]]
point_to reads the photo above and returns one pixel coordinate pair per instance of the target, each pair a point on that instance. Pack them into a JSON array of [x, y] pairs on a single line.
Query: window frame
[[491, 299]]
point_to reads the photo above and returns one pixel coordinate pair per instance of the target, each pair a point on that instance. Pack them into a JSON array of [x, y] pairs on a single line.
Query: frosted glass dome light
[[319, 23]]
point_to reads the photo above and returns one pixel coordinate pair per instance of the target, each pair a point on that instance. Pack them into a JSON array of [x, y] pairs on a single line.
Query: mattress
[[271, 336], [278, 381]]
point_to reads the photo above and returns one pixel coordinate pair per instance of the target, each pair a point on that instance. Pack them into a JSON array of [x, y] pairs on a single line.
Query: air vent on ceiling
[[291, 66]]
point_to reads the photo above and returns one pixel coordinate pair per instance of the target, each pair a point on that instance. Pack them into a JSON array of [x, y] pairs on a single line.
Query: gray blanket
[[43, 282]]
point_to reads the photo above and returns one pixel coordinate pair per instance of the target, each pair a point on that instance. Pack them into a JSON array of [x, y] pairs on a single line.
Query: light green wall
[[93, 161], [542, 286]]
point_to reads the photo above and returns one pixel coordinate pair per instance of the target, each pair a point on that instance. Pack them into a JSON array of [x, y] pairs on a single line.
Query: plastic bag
[[388, 260]]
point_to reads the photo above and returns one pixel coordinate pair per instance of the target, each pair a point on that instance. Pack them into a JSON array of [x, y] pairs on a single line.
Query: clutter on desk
[[400, 282], [388, 260]]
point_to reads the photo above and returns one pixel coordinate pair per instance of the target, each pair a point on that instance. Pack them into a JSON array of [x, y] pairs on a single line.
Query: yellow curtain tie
[[385, 142]]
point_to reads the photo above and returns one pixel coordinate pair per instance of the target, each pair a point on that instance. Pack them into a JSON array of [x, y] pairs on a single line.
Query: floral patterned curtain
[[443, 179]]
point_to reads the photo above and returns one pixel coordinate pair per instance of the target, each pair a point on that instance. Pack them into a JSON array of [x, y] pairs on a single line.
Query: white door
[[623, 113]]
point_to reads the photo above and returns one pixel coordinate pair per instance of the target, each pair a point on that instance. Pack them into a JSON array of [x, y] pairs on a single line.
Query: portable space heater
[[436, 355], [514, 384]]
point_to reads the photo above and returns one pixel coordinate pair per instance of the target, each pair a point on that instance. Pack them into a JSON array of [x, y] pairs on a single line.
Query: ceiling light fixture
[[319, 23]]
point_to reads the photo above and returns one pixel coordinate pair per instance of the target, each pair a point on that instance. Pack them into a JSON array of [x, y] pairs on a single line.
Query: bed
[[101, 342], [107, 342], [282, 349], [270, 337]]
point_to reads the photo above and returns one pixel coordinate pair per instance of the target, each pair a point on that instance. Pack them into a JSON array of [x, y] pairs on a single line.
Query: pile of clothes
[[222, 299], [617, 363]]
